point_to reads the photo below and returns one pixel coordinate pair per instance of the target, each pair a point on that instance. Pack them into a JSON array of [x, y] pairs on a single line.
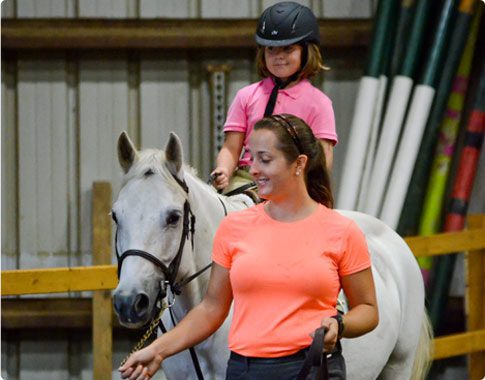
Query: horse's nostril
[[141, 304], [118, 303]]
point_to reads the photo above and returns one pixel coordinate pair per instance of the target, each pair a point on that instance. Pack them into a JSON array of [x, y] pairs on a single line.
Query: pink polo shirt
[[303, 100]]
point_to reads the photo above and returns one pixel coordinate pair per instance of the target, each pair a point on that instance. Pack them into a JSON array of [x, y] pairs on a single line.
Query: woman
[[283, 263]]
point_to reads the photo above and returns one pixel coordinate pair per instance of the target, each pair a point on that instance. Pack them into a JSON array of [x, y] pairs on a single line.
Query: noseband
[[171, 271]]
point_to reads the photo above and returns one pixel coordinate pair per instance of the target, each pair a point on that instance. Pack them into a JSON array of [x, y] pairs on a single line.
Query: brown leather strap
[[315, 358]]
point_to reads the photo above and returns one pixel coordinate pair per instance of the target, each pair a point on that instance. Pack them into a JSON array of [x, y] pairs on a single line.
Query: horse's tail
[[424, 352]]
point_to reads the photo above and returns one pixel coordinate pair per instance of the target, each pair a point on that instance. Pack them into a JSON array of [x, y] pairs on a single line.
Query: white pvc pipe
[[356, 148], [391, 128], [371, 146], [406, 156]]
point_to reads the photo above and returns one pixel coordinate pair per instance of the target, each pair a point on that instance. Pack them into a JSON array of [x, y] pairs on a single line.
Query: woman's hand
[[220, 178], [331, 334], [142, 364]]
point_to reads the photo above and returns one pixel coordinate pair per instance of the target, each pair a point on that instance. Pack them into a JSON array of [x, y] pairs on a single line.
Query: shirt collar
[[293, 92]]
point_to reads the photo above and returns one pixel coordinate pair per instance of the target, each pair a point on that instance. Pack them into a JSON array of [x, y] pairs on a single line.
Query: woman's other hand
[[141, 365]]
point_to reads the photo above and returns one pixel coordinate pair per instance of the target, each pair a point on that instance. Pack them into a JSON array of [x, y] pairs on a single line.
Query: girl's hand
[[220, 178], [331, 334], [141, 365]]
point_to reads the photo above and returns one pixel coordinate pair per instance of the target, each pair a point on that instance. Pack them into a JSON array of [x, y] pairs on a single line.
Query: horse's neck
[[205, 204]]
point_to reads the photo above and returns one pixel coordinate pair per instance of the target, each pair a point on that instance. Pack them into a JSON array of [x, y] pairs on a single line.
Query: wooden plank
[[35, 281], [101, 223], [448, 242], [57, 280], [162, 33], [49, 313], [77, 313], [475, 297], [22, 313], [459, 344], [102, 304]]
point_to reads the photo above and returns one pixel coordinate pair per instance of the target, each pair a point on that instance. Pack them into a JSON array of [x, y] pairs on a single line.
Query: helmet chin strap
[[279, 84]]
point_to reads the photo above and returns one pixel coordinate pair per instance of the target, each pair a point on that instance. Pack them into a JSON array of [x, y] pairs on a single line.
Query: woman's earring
[[297, 172]]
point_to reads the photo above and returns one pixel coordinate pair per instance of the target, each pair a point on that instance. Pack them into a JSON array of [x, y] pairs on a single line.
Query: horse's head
[[150, 214]]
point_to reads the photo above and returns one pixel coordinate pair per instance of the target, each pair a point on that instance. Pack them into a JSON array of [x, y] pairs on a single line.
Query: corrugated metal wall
[[62, 114]]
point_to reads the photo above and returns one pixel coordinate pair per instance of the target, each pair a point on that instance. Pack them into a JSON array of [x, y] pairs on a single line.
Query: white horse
[[160, 195]]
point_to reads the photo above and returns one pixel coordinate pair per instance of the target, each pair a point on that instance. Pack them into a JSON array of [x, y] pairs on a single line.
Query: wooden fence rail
[[102, 278]]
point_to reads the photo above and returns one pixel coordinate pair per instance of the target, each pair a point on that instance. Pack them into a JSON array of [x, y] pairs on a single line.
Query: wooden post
[[102, 305], [475, 297]]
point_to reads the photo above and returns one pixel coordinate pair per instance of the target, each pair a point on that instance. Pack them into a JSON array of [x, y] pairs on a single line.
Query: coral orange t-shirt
[[285, 277]]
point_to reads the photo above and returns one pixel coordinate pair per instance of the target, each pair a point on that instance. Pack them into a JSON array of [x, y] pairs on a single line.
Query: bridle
[[170, 272]]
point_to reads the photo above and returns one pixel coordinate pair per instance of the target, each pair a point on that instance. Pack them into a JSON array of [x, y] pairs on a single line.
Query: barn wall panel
[[45, 8], [347, 9], [340, 83], [103, 115], [171, 9], [8, 9], [199, 117], [227, 9], [48, 363], [43, 172], [9, 168], [165, 106], [106, 8]]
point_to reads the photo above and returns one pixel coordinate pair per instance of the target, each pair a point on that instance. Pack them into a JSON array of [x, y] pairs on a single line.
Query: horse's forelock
[[152, 161]]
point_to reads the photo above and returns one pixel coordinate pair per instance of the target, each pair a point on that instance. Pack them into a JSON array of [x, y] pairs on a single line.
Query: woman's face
[[283, 61], [273, 174]]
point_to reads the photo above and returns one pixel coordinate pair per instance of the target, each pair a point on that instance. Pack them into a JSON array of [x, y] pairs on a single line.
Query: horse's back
[[388, 351]]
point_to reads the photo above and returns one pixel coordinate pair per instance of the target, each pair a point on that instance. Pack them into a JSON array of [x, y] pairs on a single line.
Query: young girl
[[288, 55]]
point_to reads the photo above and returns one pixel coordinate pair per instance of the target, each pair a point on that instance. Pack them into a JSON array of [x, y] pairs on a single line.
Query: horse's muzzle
[[132, 309]]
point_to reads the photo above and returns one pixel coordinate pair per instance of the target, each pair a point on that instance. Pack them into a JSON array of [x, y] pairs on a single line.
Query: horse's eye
[[172, 219], [113, 216]]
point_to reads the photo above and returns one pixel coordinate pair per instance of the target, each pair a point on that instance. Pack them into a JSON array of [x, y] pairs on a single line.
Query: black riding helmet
[[287, 23]]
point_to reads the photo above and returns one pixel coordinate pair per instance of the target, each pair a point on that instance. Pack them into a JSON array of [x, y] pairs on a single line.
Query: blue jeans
[[285, 368]]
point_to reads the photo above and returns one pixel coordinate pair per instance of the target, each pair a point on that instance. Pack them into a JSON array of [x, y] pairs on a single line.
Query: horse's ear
[[174, 154], [127, 153]]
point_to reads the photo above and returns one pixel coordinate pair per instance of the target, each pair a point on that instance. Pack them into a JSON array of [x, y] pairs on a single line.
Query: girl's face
[[273, 174], [283, 61]]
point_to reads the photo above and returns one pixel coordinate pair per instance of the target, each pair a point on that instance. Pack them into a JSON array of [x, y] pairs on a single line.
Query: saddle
[[250, 189]]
